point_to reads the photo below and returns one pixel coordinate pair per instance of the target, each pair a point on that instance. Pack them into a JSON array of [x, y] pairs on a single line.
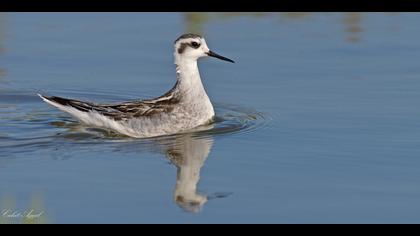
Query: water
[[317, 122]]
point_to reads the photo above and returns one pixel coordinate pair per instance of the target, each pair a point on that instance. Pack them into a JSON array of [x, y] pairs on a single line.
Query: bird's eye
[[195, 44]]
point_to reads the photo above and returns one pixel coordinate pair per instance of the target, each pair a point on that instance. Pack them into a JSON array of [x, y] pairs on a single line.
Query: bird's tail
[[78, 109], [50, 100], [61, 103]]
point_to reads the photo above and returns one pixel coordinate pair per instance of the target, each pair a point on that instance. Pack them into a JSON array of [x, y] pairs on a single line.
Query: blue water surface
[[318, 119]]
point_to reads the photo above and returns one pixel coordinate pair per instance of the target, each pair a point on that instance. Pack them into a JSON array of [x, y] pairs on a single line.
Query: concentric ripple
[[231, 119]]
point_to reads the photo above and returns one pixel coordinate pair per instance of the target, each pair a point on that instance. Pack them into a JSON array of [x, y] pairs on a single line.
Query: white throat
[[189, 79], [192, 91]]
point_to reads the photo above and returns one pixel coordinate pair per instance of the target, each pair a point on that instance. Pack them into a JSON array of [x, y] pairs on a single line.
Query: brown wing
[[137, 109], [143, 108], [126, 110]]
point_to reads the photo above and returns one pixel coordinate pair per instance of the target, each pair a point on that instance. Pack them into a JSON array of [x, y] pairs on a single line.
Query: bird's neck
[[192, 91], [189, 80]]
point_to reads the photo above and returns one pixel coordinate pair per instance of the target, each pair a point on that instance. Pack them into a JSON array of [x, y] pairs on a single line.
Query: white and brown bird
[[182, 108]]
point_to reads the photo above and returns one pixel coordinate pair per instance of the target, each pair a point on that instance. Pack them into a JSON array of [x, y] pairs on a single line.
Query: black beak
[[212, 54]]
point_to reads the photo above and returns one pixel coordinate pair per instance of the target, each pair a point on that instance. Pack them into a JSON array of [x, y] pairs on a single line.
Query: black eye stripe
[[183, 46]]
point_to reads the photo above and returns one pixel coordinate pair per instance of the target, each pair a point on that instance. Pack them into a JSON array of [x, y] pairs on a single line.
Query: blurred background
[[317, 121]]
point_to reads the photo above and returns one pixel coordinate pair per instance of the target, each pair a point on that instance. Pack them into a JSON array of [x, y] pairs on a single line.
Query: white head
[[191, 47]]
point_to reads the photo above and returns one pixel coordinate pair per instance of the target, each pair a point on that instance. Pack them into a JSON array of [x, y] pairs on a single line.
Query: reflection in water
[[352, 22], [188, 154], [187, 151], [195, 20]]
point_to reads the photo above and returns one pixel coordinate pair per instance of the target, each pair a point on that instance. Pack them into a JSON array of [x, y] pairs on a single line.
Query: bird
[[184, 107]]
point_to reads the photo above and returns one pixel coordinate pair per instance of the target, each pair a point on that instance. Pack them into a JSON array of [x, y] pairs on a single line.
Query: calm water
[[317, 122]]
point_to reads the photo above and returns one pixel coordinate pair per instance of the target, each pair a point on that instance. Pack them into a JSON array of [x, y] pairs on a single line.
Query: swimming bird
[[184, 107]]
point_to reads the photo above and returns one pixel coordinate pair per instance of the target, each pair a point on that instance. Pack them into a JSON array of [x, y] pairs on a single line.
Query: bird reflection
[[188, 152]]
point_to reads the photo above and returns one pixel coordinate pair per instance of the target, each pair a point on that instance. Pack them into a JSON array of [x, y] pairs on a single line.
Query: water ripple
[[40, 125]]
